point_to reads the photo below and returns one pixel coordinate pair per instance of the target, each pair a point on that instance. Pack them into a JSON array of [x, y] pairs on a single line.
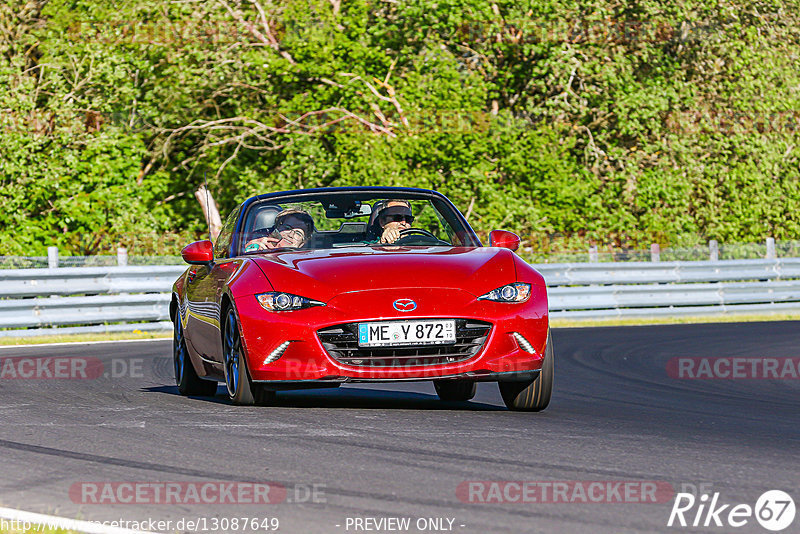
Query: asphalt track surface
[[395, 450]]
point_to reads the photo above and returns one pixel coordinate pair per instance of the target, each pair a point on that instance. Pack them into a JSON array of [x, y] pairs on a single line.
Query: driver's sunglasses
[[399, 218]]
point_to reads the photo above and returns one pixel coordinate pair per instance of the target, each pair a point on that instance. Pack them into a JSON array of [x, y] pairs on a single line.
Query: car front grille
[[341, 342]]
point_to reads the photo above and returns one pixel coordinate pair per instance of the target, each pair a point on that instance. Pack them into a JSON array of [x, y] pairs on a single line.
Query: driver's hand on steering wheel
[[391, 232], [390, 235]]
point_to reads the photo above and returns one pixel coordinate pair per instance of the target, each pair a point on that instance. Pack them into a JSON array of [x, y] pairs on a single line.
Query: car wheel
[[185, 376], [532, 395], [241, 389], [455, 390]]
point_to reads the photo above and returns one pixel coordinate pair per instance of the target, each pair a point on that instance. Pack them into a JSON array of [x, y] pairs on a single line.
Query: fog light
[[523, 343], [277, 353]]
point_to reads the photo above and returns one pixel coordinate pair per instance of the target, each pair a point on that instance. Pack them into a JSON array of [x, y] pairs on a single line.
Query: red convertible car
[[319, 287]]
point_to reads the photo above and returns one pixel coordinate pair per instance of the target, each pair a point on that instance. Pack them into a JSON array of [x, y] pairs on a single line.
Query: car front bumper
[[285, 347]]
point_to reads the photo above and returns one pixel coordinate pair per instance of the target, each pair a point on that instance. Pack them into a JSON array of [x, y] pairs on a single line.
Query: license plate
[[390, 333]]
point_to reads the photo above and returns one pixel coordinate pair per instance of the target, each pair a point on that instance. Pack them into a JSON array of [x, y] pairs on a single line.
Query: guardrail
[[40, 298], [642, 289]]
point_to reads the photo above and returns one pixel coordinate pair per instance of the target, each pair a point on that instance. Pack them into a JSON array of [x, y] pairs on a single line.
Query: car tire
[[185, 376], [532, 395], [240, 388], [455, 390]]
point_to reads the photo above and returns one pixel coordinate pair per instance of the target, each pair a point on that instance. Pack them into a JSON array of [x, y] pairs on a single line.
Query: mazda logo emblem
[[404, 305]]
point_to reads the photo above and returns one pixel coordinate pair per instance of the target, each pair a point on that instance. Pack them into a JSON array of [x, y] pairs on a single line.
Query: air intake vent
[[341, 342]]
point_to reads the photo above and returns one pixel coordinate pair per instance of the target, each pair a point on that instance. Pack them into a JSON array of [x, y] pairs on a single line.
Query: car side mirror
[[501, 238], [198, 253]]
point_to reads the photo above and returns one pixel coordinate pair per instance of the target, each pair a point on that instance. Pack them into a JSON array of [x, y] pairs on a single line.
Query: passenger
[[293, 229], [389, 219]]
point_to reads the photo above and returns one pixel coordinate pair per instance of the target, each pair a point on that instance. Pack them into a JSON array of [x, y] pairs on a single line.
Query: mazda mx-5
[[320, 287]]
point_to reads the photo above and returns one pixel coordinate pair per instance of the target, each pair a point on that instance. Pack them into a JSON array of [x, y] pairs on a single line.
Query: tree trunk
[[210, 211]]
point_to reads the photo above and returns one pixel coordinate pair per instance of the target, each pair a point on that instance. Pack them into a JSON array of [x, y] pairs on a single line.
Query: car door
[[204, 289]]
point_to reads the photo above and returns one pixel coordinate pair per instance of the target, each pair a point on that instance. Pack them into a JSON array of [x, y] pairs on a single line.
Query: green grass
[[82, 338]]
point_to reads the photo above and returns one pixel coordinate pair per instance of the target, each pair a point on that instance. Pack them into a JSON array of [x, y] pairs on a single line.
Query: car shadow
[[373, 399], [362, 398], [173, 390]]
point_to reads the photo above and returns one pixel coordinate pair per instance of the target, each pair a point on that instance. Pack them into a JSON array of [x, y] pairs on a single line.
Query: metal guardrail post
[[771, 255], [713, 250], [52, 257], [593, 254], [655, 252], [122, 257]]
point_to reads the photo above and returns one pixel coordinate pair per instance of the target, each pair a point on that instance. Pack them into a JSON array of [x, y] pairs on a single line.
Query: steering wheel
[[412, 231], [407, 235]]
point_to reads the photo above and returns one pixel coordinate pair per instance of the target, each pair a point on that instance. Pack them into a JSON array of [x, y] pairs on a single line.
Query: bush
[[570, 123]]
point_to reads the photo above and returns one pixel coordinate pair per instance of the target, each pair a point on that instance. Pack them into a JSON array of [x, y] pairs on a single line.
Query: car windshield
[[345, 220]]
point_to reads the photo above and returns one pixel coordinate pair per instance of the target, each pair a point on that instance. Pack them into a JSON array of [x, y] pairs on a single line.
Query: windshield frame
[[441, 204]]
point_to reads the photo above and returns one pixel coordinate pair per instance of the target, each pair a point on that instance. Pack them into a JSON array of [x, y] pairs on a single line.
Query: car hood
[[323, 274]]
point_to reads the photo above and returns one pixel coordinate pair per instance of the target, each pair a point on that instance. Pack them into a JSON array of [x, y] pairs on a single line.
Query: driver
[[394, 216], [293, 229]]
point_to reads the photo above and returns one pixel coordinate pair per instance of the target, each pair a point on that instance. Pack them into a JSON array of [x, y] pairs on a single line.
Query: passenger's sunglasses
[[295, 235], [398, 218]]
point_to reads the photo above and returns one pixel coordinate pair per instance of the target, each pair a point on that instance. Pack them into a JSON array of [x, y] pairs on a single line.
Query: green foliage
[[616, 123]]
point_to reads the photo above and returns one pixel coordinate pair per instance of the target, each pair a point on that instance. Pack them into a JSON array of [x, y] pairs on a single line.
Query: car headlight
[[276, 301], [516, 292]]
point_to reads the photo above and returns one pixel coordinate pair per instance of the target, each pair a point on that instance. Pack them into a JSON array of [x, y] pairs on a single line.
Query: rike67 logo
[[774, 510]]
